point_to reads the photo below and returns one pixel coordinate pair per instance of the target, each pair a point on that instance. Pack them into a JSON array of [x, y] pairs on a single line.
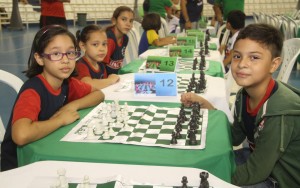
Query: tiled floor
[[14, 52]]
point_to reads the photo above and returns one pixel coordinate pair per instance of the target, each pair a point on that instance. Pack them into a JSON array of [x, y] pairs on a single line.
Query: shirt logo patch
[[115, 64]]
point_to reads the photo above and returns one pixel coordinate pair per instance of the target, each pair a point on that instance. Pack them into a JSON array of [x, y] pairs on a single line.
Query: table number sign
[[182, 51], [155, 84], [198, 33], [187, 41], [158, 63]]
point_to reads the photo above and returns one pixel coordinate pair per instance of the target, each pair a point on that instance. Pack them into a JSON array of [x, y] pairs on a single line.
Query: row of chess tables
[[155, 165]]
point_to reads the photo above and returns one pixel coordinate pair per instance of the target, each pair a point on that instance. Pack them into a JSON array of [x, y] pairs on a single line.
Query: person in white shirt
[[174, 22], [235, 22]]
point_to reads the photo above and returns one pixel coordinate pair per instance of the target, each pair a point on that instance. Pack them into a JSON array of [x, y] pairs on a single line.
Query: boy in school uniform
[[267, 112]]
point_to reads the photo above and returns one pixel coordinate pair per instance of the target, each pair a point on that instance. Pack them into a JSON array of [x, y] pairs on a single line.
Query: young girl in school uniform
[[151, 25], [122, 21], [50, 98], [92, 41]]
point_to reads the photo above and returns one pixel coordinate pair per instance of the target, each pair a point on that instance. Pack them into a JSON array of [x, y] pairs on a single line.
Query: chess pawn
[[90, 132], [178, 135], [104, 121], [184, 182], [111, 131], [192, 137], [113, 114], [173, 140], [126, 106], [98, 129], [106, 135]]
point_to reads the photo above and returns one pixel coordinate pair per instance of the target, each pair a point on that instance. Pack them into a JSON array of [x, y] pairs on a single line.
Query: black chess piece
[[204, 182], [195, 62], [184, 182], [201, 66], [206, 51], [178, 126], [178, 135], [192, 134], [182, 114], [197, 89], [173, 140]]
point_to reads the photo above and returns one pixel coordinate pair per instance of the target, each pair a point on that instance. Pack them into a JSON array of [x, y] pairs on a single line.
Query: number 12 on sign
[[166, 84]]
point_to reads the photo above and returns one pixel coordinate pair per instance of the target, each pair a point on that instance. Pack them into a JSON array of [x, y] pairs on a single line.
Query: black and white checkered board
[[183, 65], [148, 126], [187, 65], [183, 81]]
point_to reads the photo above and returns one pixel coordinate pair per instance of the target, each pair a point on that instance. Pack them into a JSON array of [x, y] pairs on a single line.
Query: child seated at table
[[151, 24], [51, 97], [173, 23], [92, 41], [267, 112], [122, 21], [235, 22]]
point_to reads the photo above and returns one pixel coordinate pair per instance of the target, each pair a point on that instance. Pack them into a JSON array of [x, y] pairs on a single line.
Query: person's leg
[[195, 25]]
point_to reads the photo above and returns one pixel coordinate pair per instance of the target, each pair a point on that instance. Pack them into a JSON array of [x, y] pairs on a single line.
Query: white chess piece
[[104, 121], [98, 129], [126, 106], [86, 182], [90, 132], [113, 114], [63, 183], [111, 131], [105, 135], [119, 120]]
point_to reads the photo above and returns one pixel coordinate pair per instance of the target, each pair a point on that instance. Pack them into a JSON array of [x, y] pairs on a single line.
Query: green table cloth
[[215, 68], [217, 157]]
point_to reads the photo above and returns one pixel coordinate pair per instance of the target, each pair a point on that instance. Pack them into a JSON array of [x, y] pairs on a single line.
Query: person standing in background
[[162, 7], [223, 7], [191, 11], [53, 13]]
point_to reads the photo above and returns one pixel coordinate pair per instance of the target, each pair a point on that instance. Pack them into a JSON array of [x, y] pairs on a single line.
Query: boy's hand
[[114, 78], [188, 98]]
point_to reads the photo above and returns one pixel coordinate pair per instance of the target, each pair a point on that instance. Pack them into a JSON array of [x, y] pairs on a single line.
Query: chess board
[[183, 81], [116, 181], [115, 184], [147, 126], [185, 65]]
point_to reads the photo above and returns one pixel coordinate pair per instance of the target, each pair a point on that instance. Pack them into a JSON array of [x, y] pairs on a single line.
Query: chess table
[[216, 158], [42, 175], [214, 69]]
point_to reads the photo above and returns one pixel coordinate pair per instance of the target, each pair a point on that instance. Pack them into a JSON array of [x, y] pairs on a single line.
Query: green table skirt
[[217, 157]]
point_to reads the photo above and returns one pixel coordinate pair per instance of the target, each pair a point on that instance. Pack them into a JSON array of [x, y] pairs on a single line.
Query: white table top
[[215, 93], [43, 174]]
